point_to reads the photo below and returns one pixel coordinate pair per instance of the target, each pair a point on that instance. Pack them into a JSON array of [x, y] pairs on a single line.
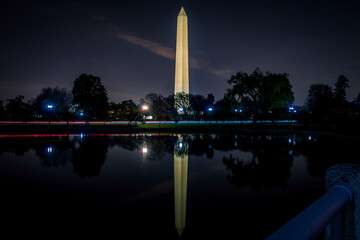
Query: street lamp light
[[145, 108]]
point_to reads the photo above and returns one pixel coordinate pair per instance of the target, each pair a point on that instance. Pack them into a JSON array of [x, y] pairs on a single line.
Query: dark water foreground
[[164, 186]]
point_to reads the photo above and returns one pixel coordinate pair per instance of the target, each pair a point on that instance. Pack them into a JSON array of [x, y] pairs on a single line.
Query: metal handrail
[[310, 223]]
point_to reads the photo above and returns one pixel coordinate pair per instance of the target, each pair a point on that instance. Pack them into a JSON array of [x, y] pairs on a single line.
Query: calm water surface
[[163, 186]]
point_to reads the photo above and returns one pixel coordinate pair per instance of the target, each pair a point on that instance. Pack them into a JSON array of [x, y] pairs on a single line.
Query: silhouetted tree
[[129, 111], [224, 108], [355, 110], [114, 111], [249, 86], [266, 92], [181, 101], [197, 103], [170, 100], [278, 95], [91, 96], [200, 105], [341, 108], [17, 109], [209, 102], [158, 106], [357, 107], [2, 111], [340, 89], [319, 102], [59, 98]]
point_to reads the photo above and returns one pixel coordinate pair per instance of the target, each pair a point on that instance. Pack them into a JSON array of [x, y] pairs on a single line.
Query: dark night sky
[[130, 44]]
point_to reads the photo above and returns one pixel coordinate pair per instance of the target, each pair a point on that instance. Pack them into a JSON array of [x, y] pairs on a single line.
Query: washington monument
[[182, 54]]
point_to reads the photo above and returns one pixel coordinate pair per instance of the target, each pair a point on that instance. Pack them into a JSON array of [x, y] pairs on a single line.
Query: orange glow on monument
[[182, 54]]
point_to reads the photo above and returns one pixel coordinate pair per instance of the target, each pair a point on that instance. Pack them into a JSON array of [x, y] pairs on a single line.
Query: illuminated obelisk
[[182, 54]]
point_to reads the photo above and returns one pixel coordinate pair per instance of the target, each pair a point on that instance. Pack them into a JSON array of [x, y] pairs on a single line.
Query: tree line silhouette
[[251, 96]]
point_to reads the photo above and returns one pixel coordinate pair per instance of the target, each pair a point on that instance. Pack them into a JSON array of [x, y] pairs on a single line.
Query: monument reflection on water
[[181, 159], [247, 181]]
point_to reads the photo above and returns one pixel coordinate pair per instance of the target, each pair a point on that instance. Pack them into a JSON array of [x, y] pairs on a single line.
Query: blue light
[[180, 145], [181, 109], [290, 152], [309, 138], [81, 135], [236, 110], [81, 114], [240, 110], [289, 140], [49, 149], [210, 109], [49, 106]]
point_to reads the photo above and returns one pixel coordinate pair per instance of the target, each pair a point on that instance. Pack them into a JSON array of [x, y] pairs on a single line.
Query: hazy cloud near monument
[[152, 46], [170, 53]]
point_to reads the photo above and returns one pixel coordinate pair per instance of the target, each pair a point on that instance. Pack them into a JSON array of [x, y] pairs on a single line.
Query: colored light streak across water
[[81, 135], [127, 122]]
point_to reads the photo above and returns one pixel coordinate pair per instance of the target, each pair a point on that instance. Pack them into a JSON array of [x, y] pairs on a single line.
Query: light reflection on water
[[164, 185]]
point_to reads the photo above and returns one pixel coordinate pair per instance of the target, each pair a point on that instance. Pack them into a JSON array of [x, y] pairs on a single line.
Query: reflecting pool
[[162, 185]]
